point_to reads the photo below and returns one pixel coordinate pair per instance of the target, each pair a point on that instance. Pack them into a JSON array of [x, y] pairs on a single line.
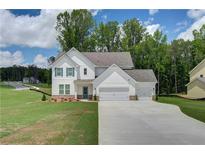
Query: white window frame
[[61, 89], [67, 90], [58, 72], [70, 71]]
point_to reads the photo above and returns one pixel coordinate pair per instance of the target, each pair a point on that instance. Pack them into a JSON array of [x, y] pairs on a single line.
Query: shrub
[[43, 98]]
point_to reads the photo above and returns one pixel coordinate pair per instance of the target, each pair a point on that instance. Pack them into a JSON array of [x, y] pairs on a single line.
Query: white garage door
[[117, 94], [145, 93]]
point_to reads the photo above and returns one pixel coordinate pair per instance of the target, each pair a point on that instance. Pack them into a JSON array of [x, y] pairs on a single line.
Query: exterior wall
[[99, 70], [83, 64], [80, 89], [145, 89], [196, 90], [115, 80], [199, 70], [63, 63]]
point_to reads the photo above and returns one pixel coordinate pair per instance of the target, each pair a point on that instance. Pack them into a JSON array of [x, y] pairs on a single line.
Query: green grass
[[25, 119], [192, 108]]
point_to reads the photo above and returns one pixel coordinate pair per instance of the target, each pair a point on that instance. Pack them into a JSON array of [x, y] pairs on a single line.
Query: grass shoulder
[[192, 108]]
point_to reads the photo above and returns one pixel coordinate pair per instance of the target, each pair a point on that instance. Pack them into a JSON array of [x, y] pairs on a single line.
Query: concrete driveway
[[147, 122]]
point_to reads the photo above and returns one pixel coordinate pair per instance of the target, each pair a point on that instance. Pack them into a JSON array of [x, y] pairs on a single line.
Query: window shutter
[[61, 71], [73, 72]]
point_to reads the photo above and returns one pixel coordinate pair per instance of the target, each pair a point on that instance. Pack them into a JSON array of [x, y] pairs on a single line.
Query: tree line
[[17, 73], [171, 61]]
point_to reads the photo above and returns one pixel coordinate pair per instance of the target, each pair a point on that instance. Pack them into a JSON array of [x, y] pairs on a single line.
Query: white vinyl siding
[[59, 72], [67, 89], [70, 72], [61, 89]]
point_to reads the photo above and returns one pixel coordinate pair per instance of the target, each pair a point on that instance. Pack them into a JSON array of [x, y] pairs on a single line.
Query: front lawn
[[25, 119], [192, 108]]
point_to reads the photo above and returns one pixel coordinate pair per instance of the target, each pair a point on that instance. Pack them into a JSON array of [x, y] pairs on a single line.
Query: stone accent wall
[[133, 97], [154, 98], [95, 98]]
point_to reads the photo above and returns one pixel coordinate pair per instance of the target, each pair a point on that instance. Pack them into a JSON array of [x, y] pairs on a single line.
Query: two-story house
[[100, 75], [196, 86]]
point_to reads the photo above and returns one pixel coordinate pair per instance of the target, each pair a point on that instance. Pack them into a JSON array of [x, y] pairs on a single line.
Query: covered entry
[[114, 93]]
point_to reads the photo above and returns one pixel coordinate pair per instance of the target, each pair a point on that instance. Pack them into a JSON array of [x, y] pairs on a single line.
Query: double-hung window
[[64, 89], [59, 72], [61, 89], [70, 72], [67, 89]]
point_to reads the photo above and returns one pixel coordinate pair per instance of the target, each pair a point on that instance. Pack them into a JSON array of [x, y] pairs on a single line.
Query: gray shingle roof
[[142, 75], [106, 59]]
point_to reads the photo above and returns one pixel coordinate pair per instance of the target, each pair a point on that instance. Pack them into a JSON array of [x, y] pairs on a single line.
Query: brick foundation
[[60, 98], [90, 97]]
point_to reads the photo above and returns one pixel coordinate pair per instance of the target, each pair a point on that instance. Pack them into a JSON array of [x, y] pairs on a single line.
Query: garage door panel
[[117, 93]]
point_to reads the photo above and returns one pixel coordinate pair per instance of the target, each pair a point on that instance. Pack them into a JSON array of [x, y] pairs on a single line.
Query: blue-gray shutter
[[73, 72]]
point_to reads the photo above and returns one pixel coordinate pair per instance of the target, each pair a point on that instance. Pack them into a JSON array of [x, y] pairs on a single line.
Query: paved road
[[147, 122]]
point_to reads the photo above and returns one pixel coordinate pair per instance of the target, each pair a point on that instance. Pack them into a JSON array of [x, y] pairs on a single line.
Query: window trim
[[58, 72], [67, 90], [85, 71], [70, 70], [61, 89]]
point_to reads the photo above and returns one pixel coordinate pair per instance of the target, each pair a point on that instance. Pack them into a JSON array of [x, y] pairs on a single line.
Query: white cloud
[[94, 12], [195, 14], [40, 61], [9, 59], [31, 31], [153, 11], [187, 35], [181, 25], [149, 21], [152, 28]]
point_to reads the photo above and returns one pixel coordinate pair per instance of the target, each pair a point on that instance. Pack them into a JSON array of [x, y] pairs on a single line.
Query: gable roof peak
[[197, 66]]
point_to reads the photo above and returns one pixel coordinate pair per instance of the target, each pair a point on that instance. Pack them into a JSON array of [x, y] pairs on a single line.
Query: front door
[[85, 92]]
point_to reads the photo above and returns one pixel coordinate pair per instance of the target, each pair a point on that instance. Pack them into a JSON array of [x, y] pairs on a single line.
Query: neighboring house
[[100, 75], [30, 80], [196, 86]]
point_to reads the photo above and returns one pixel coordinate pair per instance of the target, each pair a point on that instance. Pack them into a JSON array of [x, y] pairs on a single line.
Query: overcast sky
[[29, 36]]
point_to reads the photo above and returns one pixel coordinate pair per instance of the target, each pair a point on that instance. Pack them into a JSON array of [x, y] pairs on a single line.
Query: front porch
[[84, 89]]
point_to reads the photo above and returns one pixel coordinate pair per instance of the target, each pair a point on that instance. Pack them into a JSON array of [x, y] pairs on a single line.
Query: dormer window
[[85, 71], [201, 76]]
